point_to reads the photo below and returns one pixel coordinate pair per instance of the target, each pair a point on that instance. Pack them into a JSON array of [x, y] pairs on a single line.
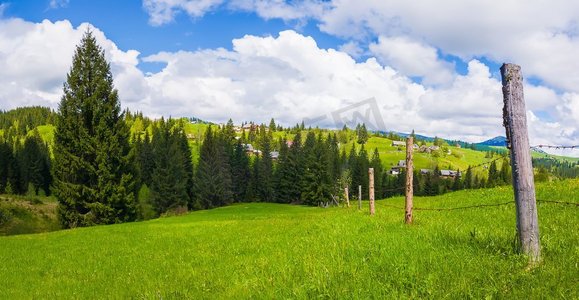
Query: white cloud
[[288, 77], [164, 11], [353, 49], [413, 58], [279, 9], [35, 58], [58, 3], [539, 35]]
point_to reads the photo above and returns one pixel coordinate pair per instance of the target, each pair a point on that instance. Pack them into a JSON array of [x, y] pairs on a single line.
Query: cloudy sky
[[431, 66]]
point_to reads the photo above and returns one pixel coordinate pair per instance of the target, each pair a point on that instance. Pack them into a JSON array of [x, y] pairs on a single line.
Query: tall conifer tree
[[92, 181]]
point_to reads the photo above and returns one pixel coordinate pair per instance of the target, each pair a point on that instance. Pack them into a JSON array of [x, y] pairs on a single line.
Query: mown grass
[[274, 251]]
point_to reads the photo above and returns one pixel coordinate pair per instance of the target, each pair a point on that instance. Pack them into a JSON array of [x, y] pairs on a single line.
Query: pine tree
[[34, 162], [185, 150], [240, 173], [362, 170], [493, 175], [362, 134], [376, 163], [317, 184], [213, 175], [284, 176], [505, 172], [92, 180], [265, 188], [169, 178], [272, 127], [468, 180]]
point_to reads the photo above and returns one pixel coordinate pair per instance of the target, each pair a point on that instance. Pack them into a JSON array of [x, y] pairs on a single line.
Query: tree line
[[101, 173], [25, 167]]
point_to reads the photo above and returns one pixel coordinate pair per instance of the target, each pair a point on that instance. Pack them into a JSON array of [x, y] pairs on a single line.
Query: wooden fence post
[[409, 179], [347, 196], [371, 188], [515, 122], [359, 197]]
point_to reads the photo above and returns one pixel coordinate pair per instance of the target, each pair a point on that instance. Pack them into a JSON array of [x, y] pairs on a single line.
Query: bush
[[5, 216]]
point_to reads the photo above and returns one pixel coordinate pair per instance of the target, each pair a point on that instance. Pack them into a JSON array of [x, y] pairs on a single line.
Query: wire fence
[[576, 204], [555, 147], [501, 157]]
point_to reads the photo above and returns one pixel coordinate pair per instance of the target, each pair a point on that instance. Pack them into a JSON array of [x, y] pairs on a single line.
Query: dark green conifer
[[91, 167]]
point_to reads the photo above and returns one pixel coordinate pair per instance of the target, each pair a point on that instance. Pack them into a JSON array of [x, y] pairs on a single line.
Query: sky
[[428, 66]]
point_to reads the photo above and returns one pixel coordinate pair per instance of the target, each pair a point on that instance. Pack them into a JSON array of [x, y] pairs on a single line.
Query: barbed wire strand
[[555, 146], [477, 206], [486, 163], [558, 202]]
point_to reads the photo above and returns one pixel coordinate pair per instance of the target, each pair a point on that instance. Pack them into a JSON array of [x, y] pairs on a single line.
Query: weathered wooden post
[[347, 196], [409, 178], [515, 122], [371, 188], [359, 197]]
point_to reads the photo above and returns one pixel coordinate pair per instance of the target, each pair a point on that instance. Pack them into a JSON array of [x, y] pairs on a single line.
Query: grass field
[[281, 251]]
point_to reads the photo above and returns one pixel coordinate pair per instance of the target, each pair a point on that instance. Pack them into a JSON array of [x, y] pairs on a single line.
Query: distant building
[[425, 171], [449, 174], [274, 155], [394, 172], [398, 144]]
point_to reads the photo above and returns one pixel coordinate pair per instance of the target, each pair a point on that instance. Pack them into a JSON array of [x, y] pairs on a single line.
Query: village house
[[274, 155], [449, 174], [429, 149], [398, 144], [395, 170]]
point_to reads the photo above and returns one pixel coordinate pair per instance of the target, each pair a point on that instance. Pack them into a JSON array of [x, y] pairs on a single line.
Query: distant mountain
[[500, 141]]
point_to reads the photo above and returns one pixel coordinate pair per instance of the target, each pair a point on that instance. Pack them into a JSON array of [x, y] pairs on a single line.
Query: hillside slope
[[281, 251]]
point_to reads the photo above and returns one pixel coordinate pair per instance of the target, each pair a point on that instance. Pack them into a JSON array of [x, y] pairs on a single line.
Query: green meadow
[[274, 251]]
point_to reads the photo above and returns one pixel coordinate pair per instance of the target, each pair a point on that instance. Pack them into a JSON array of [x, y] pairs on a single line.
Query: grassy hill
[[281, 251], [459, 158]]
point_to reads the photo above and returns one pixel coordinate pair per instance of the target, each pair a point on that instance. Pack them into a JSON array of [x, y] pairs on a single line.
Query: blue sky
[[432, 67]]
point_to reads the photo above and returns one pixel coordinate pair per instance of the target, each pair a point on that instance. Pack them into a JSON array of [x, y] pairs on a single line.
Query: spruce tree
[[493, 175], [376, 163], [240, 173], [362, 134], [169, 179], [34, 162], [468, 180], [92, 180], [265, 187], [213, 175], [284, 177], [295, 165], [317, 184]]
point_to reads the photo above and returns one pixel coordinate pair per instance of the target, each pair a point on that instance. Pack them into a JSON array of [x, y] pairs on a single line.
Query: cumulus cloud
[[541, 36], [164, 11], [276, 9], [413, 58], [288, 77], [35, 58], [58, 3]]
